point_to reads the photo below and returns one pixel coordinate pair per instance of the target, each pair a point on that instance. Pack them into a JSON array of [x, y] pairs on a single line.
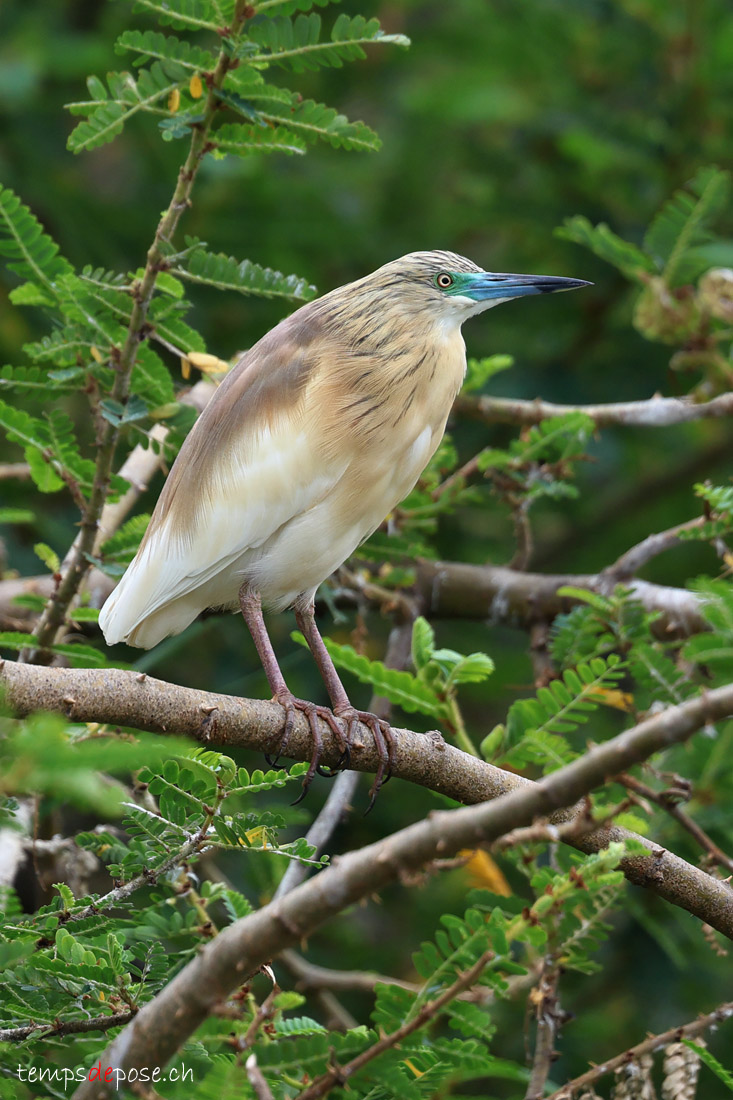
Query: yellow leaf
[[96, 354], [185, 368], [195, 87], [174, 101], [207, 364], [612, 697], [483, 871]]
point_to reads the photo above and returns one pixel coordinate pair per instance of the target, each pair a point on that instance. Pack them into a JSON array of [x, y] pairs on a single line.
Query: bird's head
[[453, 288]]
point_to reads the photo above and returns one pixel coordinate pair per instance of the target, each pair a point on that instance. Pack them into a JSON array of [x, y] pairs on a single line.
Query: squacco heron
[[310, 441]]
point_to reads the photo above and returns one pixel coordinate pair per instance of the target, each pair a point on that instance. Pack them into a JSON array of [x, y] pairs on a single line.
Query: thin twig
[[634, 559], [654, 1042], [673, 808], [14, 471], [544, 1001], [341, 1074], [65, 1027], [257, 1080]]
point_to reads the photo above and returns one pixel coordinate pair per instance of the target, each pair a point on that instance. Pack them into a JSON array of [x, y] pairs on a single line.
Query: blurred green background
[[505, 117]]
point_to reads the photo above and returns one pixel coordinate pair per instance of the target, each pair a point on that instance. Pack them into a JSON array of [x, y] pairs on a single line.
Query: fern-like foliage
[[29, 251], [298, 42], [537, 729], [431, 689], [714, 650], [225, 273], [603, 242], [153, 45], [674, 245], [684, 222]]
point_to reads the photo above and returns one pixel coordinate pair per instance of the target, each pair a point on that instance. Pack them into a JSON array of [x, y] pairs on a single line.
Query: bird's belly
[[311, 546]]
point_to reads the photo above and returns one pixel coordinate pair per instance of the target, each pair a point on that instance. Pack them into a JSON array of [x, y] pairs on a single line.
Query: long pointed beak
[[488, 284]]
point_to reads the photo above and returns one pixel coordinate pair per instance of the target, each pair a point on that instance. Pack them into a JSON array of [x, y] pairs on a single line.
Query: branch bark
[[136, 700], [655, 412], [240, 949], [499, 594], [455, 590], [648, 1046]]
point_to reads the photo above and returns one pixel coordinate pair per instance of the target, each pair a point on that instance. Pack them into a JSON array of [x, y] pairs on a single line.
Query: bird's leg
[[305, 617], [251, 606]]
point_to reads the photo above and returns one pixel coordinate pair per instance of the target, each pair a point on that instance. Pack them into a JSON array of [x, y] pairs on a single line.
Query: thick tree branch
[[240, 949], [454, 590], [133, 699], [656, 412]]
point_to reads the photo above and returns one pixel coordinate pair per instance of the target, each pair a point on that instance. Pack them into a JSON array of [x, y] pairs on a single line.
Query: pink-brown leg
[[381, 729], [251, 606]]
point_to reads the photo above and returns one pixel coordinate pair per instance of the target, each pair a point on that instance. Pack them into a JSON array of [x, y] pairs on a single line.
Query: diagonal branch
[[135, 700], [164, 1024], [647, 1046], [340, 1074]]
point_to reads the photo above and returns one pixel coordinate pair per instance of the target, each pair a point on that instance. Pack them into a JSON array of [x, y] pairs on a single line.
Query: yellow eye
[[444, 280]]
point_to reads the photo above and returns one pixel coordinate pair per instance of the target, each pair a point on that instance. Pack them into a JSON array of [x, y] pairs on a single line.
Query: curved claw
[[384, 744], [313, 713], [274, 762]]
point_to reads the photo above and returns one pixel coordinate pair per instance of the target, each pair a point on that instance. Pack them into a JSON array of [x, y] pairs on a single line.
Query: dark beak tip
[[565, 284]]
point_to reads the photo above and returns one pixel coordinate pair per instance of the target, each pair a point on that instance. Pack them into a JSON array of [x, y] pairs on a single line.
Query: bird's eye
[[444, 280]]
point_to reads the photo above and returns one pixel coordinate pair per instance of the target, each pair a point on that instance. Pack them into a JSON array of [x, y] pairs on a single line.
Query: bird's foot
[[384, 743], [315, 714]]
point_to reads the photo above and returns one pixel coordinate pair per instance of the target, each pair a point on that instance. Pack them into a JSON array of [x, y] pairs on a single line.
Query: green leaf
[[712, 1063], [127, 96], [30, 252], [48, 556], [423, 642], [684, 221], [241, 140], [122, 546], [30, 294], [559, 708], [151, 380], [396, 685], [316, 122], [472, 669], [165, 47], [16, 515], [298, 44], [479, 371], [226, 273], [32, 378], [604, 243], [42, 472], [184, 14]]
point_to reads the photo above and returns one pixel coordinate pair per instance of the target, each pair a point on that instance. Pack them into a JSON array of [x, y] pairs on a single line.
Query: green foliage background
[[504, 119]]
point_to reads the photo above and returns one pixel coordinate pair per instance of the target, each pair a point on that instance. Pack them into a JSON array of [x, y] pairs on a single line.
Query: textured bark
[[132, 699], [656, 412], [241, 948]]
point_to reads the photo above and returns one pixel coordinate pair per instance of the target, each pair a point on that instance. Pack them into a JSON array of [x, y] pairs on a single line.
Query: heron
[[311, 440]]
